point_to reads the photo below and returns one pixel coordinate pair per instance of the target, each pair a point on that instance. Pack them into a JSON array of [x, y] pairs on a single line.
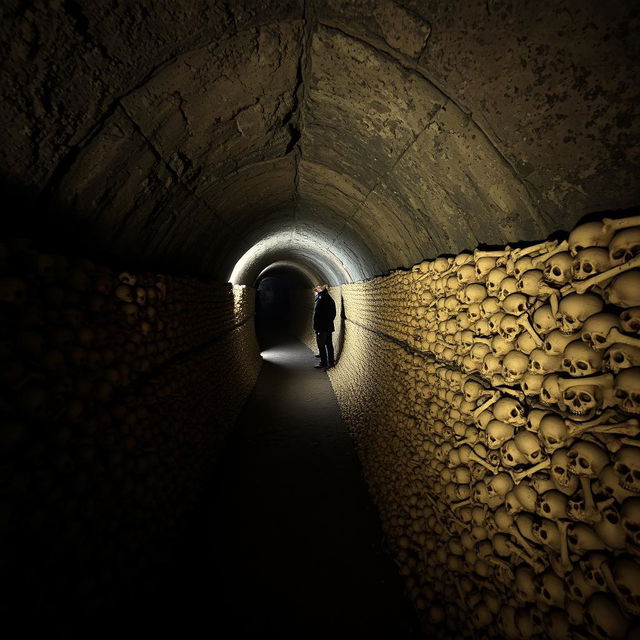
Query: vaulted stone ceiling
[[357, 135]]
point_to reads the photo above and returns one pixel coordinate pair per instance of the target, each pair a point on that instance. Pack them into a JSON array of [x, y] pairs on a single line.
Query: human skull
[[514, 366], [589, 262], [510, 455], [508, 286], [587, 459], [610, 483], [554, 432], [582, 400], [511, 411], [495, 320], [596, 329], [557, 269], [542, 363], [521, 265], [501, 346], [124, 293], [526, 343], [543, 320], [530, 282], [529, 445], [498, 433], [474, 312], [627, 390], [489, 306], [630, 513], [552, 504], [500, 484], [604, 618], [494, 279], [509, 327], [624, 290], [630, 320], [473, 390], [483, 267], [580, 360], [624, 246], [626, 575], [621, 356], [551, 589], [609, 528], [627, 468], [575, 308], [466, 274], [562, 476], [589, 234], [474, 292], [550, 393], [491, 365], [580, 588], [556, 342], [515, 304], [531, 383]]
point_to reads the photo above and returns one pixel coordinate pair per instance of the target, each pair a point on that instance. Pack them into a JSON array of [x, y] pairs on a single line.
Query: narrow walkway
[[302, 545]]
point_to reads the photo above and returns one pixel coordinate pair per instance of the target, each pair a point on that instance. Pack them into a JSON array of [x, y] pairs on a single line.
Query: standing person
[[324, 312]]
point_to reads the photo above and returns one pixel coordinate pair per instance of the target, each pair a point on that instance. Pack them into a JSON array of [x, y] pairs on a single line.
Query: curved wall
[[393, 131]]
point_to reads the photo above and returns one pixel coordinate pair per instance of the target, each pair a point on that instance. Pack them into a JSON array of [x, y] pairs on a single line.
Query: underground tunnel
[[463, 176]]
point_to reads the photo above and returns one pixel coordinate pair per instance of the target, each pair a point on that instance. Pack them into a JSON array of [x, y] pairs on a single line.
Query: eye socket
[[585, 397], [598, 338], [566, 363], [618, 357], [556, 271], [583, 366], [616, 255], [587, 268]]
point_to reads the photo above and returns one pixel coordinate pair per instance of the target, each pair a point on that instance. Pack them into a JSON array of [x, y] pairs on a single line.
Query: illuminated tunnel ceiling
[[349, 136]]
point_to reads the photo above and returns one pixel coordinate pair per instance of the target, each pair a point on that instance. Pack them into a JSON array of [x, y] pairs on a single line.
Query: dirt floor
[[303, 546], [286, 543]]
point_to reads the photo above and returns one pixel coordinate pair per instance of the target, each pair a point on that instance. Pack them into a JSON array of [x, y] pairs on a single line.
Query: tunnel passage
[[209, 141]]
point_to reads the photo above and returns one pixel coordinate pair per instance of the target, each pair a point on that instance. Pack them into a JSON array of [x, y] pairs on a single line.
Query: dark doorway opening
[[278, 295]]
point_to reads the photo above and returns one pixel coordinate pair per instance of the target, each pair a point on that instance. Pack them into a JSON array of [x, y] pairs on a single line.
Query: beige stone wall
[[494, 401], [116, 400]]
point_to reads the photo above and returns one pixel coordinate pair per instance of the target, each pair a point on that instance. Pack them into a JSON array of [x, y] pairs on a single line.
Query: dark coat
[[324, 312]]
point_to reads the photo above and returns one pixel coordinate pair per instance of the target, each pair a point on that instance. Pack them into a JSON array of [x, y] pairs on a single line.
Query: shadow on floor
[[286, 542]]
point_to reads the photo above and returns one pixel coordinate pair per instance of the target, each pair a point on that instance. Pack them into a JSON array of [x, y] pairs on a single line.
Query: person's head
[[325, 287], [317, 288]]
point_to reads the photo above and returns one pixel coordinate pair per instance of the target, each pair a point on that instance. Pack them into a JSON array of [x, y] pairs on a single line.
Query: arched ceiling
[[350, 136]]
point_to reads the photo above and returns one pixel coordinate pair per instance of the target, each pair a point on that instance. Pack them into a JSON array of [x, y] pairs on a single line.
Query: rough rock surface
[[373, 133]]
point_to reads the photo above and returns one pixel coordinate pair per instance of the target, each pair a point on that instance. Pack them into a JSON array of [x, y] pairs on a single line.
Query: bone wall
[[117, 392], [494, 401]]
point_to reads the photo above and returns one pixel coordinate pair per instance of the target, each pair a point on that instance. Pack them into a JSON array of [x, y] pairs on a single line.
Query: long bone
[[493, 253], [541, 247], [582, 286], [609, 225], [616, 336], [502, 543], [518, 476], [495, 396], [507, 524], [523, 321], [556, 248], [466, 454]]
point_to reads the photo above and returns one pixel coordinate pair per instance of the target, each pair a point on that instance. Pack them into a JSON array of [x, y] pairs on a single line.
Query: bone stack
[[494, 398], [118, 389]]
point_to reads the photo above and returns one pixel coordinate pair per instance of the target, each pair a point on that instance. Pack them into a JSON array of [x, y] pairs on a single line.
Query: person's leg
[[322, 343], [329, 346]]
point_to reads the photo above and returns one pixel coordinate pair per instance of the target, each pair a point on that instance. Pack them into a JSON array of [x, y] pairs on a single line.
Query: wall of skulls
[[117, 392], [494, 399]]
